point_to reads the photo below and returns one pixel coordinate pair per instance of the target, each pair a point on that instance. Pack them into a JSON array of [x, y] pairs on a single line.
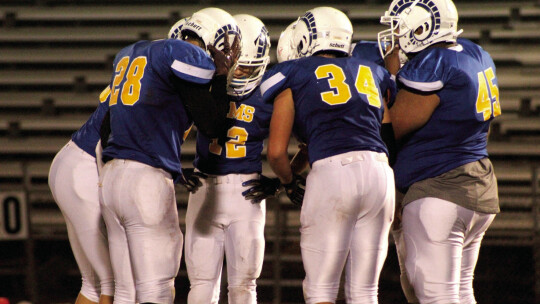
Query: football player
[[157, 89], [370, 50], [73, 180], [447, 98], [335, 104], [220, 222]]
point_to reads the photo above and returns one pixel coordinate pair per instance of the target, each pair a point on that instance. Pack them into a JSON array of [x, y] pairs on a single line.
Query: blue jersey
[[88, 135], [368, 50], [240, 151], [148, 118], [456, 134], [338, 102]]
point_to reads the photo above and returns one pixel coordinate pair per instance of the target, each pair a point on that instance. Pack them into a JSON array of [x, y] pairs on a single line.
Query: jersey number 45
[[487, 101]]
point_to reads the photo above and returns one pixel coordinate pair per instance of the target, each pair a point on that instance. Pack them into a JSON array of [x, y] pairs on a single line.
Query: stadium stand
[[55, 58]]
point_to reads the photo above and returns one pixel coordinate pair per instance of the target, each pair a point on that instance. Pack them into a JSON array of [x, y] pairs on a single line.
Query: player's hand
[[391, 61], [261, 188], [225, 59], [191, 179], [295, 190]]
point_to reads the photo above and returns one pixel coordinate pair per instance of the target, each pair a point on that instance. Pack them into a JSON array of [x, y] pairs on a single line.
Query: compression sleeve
[[207, 109], [105, 129], [387, 134]]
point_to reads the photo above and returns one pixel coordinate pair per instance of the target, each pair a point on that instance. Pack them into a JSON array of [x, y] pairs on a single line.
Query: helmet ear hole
[[176, 30], [421, 29], [421, 23]]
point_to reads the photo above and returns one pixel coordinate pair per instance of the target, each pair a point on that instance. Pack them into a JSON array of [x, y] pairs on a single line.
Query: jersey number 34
[[341, 92]]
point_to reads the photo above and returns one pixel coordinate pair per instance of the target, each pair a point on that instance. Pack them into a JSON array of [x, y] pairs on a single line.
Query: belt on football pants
[[355, 156], [232, 178]]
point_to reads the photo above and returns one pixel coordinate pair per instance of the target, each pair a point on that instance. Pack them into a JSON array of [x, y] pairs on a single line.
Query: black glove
[[227, 58], [295, 190], [191, 179], [261, 188]]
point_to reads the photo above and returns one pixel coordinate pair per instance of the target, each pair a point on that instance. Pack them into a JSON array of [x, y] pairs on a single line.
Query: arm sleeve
[[105, 129], [387, 134], [207, 109]]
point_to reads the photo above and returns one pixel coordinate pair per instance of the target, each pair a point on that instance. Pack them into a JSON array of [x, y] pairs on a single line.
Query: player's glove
[[191, 179], [295, 190], [226, 59], [261, 188]]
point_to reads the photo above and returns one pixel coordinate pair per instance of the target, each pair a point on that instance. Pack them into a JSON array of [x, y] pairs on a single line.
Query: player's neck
[[326, 55]]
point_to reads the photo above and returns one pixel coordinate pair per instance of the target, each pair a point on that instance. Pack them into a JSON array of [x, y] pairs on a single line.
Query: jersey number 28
[[131, 90]]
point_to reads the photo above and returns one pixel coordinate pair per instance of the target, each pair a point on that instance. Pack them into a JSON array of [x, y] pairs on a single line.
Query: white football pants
[[220, 221], [442, 241], [345, 222], [145, 241], [73, 179]]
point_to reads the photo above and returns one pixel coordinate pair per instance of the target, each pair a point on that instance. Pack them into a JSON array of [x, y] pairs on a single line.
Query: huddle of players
[[342, 102]]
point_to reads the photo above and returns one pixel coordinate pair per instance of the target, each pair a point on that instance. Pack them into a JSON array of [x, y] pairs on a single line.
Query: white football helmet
[[176, 29], [211, 25], [322, 29], [255, 55], [285, 47], [418, 24]]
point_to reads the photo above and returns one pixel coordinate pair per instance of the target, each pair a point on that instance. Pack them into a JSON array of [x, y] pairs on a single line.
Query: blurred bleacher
[[56, 56]]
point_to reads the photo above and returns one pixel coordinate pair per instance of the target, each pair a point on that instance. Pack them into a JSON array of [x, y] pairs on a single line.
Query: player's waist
[[86, 141], [75, 148], [134, 164], [233, 178], [219, 165], [408, 172], [344, 159]]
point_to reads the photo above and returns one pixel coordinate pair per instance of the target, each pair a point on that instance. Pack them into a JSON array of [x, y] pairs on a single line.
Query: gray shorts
[[472, 186]]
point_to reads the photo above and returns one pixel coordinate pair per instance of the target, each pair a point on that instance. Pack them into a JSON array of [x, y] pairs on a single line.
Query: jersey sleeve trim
[[191, 70], [422, 86], [270, 82]]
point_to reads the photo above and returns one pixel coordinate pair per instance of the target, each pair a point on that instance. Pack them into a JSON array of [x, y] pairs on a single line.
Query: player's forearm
[[208, 109], [281, 166], [280, 133]]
